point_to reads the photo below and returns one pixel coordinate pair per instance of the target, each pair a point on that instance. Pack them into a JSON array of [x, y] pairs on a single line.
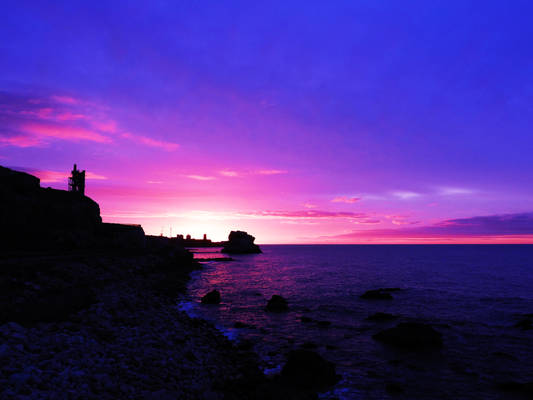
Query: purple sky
[[301, 122]]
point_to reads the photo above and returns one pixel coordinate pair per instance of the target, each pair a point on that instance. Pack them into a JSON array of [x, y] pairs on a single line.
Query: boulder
[[277, 304], [213, 297], [524, 324], [240, 242], [381, 317], [305, 368], [410, 335], [379, 294]]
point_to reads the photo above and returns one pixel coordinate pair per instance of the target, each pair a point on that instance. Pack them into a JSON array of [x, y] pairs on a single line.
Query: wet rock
[[411, 335], [394, 388], [240, 325], [525, 388], [240, 242], [305, 319], [309, 345], [306, 368], [277, 304], [524, 324], [378, 294], [381, 317], [323, 324], [213, 297]]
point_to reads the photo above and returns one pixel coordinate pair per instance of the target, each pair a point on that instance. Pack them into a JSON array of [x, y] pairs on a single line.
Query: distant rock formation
[[240, 242], [277, 304], [411, 335]]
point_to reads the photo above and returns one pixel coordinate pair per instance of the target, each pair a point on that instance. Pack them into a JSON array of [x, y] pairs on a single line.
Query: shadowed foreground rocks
[[411, 335], [213, 297]]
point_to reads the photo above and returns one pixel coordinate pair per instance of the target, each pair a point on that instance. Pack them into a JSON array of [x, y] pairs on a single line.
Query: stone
[[240, 242], [213, 297], [307, 368], [381, 317], [377, 294], [411, 335], [277, 304]]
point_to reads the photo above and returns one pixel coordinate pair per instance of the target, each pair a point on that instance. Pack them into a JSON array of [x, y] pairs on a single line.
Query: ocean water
[[472, 294]]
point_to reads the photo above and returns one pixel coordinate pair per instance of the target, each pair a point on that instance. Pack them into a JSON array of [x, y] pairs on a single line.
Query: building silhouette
[[76, 182]]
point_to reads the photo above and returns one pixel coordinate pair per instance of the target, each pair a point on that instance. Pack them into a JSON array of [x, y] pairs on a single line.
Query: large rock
[[277, 304], [379, 294], [213, 297], [240, 242], [411, 335], [308, 369]]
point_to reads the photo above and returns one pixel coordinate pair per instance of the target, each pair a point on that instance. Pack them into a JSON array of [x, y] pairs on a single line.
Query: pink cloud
[[231, 174], [47, 176], [21, 141], [64, 99], [307, 214], [345, 199], [168, 146], [45, 131], [200, 177], [271, 172]]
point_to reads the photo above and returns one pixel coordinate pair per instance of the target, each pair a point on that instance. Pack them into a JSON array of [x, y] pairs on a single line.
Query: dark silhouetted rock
[[524, 324], [323, 324], [305, 319], [308, 369], [381, 317], [394, 388], [411, 335], [309, 345], [277, 304], [213, 297], [240, 242], [240, 325], [517, 387], [376, 294]]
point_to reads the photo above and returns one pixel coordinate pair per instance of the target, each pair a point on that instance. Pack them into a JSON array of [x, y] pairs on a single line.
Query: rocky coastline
[[90, 311]]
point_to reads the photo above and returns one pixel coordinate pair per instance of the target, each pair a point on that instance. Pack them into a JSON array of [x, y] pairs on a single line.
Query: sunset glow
[[325, 123]]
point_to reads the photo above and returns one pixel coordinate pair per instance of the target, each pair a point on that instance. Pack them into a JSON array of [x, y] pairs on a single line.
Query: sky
[[355, 121]]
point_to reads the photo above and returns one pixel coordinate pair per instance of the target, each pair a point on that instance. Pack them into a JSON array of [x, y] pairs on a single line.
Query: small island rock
[[213, 297], [277, 304], [240, 242], [410, 335]]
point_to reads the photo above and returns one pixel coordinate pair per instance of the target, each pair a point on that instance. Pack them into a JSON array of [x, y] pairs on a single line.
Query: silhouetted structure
[[188, 241], [76, 182]]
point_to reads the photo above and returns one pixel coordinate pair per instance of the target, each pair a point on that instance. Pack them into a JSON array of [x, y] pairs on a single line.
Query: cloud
[[345, 199], [271, 172], [168, 146], [309, 205], [406, 195], [228, 173], [451, 191], [46, 131], [47, 176], [306, 214], [200, 177], [481, 226]]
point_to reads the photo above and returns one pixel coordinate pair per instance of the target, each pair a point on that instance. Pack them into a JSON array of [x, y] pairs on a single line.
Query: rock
[[305, 319], [380, 317], [524, 324], [377, 294], [323, 324], [411, 335], [309, 345], [240, 325], [516, 387], [394, 388], [213, 297], [240, 242], [277, 304], [308, 369]]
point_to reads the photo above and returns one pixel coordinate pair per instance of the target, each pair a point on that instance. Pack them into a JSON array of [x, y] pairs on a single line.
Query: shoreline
[[107, 325]]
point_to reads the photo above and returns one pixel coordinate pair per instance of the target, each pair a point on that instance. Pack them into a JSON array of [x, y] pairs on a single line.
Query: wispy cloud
[[306, 214], [144, 140], [450, 191], [239, 174], [200, 177], [406, 195], [229, 173], [47, 176], [481, 226], [270, 172], [345, 199]]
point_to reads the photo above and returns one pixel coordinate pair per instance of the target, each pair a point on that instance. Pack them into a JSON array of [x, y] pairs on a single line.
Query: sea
[[472, 294]]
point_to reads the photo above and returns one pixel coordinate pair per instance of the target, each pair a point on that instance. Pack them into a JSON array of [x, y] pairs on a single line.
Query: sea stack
[[239, 242]]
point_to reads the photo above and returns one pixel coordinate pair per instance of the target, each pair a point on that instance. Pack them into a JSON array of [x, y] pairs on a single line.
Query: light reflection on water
[[471, 294]]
